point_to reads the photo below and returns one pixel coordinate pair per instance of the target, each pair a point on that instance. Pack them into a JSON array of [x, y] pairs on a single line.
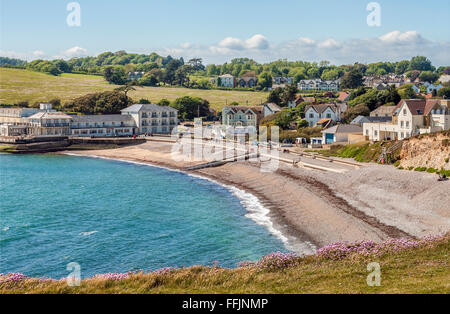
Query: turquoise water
[[112, 216]]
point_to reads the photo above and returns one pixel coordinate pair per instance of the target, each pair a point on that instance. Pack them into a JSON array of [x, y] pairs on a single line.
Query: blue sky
[[219, 30]]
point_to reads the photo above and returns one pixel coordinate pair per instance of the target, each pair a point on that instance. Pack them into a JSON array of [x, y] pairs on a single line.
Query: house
[[240, 116], [344, 96], [135, 76], [415, 88], [151, 118], [294, 103], [383, 111], [360, 120], [340, 133], [318, 85], [226, 80], [18, 115], [444, 78], [411, 117], [271, 108], [43, 124], [107, 125], [281, 80], [325, 123], [247, 80], [313, 113], [431, 87]]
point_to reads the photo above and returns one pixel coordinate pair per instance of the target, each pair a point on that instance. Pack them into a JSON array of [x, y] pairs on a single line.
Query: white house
[[240, 116], [318, 85], [314, 113], [226, 80], [340, 133], [44, 124], [151, 118], [411, 117]]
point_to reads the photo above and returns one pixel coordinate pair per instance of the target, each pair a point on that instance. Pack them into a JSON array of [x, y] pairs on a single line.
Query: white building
[[411, 117], [48, 124], [314, 113], [108, 125], [151, 118], [240, 116], [319, 85], [226, 80]]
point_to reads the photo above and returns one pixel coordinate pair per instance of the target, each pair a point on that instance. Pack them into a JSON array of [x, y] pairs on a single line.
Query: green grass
[[18, 85], [424, 269]]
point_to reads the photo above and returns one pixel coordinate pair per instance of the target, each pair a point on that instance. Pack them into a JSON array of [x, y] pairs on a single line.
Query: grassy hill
[[407, 266], [22, 85]]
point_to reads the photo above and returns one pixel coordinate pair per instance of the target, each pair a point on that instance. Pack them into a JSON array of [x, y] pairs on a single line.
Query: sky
[[217, 31]]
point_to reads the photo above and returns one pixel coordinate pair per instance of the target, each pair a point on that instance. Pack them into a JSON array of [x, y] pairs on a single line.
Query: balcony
[[54, 125]]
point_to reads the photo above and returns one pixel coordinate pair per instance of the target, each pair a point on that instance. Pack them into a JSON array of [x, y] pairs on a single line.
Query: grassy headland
[[407, 266], [18, 85]]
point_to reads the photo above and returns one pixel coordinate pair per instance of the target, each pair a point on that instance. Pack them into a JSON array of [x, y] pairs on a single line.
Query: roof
[[49, 115], [430, 104], [343, 96], [362, 119], [321, 108], [148, 107], [415, 106], [344, 128], [226, 75], [273, 107], [384, 110], [103, 118], [255, 109]]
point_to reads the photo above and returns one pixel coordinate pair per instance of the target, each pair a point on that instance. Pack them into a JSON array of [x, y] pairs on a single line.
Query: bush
[[421, 169], [397, 163], [431, 170]]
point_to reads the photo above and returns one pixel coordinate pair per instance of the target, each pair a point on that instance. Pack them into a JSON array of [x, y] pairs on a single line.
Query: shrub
[[397, 163], [421, 169], [431, 170]]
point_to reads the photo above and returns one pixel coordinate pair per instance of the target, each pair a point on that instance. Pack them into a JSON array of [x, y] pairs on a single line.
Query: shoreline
[[257, 211], [317, 208]]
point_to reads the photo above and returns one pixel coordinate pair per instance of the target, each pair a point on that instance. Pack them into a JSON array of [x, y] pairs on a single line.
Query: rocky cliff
[[427, 150]]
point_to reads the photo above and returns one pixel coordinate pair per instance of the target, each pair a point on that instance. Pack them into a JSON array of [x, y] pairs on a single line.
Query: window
[[407, 124], [367, 132], [311, 115], [401, 124], [328, 115], [375, 133], [404, 112]]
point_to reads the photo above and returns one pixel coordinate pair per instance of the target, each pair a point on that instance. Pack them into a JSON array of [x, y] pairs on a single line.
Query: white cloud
[[393, 46], [257, 42], [74, 52]]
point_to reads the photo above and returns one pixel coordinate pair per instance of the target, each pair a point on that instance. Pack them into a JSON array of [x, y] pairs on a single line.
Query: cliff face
[[429, 150]]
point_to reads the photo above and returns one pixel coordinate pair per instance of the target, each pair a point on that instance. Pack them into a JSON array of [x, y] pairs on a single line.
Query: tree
[[181, 76], [289, 94], [196, 64], [115, 75], [302, 123], [420, 63], [144, 101], [352, 79], [265, 80], [353, 112], [151, 78], [428, 76], [275, 96], [444, 92], [402, 67], [163, 102], [125, 89], [169, 73], [392, 95], [191, 107], [407, 92], [110, 102]]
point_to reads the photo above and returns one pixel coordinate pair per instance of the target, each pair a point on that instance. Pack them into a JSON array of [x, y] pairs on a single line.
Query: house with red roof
[[411, 117]]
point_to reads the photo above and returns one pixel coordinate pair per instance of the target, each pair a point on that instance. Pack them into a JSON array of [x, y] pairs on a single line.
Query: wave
[[85, 234], [256, 210]]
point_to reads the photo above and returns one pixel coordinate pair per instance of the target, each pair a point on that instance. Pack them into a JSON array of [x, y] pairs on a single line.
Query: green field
[[18, 85], [421, 269]]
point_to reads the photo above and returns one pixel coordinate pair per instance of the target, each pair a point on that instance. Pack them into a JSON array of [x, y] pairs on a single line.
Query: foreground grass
[[424, 269], [18, 85]]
